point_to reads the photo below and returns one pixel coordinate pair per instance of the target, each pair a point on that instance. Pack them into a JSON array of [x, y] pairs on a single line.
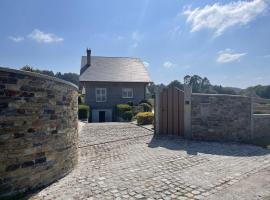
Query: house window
[[101, 94], [127, 92]]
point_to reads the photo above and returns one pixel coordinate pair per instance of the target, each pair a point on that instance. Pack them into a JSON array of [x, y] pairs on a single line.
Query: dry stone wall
[[38, 130], [261, 125], [221, 117]]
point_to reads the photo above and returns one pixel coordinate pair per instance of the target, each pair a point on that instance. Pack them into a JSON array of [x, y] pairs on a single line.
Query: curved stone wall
[[38, 130]]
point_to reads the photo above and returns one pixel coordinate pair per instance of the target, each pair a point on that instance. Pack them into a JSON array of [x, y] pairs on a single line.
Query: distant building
[[108, 81]]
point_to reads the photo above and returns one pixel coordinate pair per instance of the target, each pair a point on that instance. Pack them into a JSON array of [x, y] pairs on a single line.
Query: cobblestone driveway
[[124, 161]]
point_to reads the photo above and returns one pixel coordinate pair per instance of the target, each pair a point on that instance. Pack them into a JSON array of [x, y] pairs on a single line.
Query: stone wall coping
[[261, 115], [219, 95], [34, 74]]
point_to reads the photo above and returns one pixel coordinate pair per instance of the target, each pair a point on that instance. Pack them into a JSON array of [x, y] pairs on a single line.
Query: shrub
[[145, 101], [121, 109], [145, 118], [146, 107], [127, 115], [83, 112], [130, 103], [137, 109]]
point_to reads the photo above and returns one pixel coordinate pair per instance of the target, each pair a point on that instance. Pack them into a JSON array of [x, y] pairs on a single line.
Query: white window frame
[[101, 94], [127, 93]]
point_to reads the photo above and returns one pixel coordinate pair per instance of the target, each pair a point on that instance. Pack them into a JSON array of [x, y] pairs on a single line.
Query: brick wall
[[221, 117], [38, 130]]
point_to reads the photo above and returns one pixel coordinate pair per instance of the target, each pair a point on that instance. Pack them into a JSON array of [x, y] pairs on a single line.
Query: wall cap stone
[[228, 95], [34, 74], [261, 115]]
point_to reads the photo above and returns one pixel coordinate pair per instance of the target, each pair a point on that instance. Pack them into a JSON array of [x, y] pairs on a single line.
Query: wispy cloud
[[221, 17], [267, 56], [16, 39], [168, 64], [175, 32], [136, 38], [40, 36], [229, 55]]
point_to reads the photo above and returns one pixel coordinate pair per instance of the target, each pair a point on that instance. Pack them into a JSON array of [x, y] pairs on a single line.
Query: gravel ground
[[124, 161]]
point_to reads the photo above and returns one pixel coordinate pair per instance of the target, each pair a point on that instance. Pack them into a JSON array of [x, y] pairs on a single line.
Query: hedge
[[121, 109], [145, 118], [128, 115], [83, 112]]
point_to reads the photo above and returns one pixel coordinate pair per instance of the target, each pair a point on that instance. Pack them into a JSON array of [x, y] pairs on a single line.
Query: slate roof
[[114, 69]]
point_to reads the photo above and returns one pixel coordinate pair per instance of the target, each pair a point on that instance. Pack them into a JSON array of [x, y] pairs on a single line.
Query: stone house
[[108, 81]]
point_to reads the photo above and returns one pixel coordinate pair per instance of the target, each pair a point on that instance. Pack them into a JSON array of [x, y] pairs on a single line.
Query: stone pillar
[[187, 108], [157, 111]]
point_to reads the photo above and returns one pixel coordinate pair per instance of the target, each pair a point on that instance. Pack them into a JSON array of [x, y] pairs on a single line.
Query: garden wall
[[221, 117], [261, 125], [38, 130]]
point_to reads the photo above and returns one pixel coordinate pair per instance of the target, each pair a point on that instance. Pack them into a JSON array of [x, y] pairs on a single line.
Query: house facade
[[108, 81]]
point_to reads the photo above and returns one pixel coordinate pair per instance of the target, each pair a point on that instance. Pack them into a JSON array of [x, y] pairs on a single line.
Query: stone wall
[[261, 125], [221, 117], [38, 130]]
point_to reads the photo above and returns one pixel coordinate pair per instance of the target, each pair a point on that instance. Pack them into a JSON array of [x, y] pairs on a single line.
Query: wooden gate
[[170, 115]]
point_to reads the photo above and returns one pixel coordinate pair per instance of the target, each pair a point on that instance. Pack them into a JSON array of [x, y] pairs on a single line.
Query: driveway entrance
[[124, 161]]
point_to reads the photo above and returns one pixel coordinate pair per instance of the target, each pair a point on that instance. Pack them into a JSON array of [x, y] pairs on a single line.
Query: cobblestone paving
[[124, 161]]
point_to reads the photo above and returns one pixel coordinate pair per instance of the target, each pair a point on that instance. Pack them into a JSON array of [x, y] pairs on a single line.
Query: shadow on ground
[[193, 147]]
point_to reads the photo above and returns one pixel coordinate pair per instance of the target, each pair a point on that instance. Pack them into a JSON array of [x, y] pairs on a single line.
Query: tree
[[27, 68], [71, 77]]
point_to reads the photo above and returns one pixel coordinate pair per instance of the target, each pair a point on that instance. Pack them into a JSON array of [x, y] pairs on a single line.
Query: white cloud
[[40, 36], [16, 39], [228, 55], [168, 64], [146, 64], [221, 17]]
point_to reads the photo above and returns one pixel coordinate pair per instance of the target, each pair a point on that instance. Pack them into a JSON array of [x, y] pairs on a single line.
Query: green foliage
[[71, 77], [144, 118], [199, 85], [146, 107], [128, 115], [83, 111], [258, 91], [27, 68], [130, 103], [121, 109], [137, 109]]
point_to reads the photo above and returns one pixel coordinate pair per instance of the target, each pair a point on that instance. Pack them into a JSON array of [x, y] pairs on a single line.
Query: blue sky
[[226, 41]]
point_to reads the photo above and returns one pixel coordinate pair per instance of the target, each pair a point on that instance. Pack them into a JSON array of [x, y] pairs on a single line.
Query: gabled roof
[[114, 69]]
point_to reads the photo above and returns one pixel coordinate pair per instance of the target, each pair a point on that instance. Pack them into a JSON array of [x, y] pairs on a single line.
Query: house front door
[[102, 116]]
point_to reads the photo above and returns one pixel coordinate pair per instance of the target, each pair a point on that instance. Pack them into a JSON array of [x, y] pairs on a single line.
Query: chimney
[[88, 59]]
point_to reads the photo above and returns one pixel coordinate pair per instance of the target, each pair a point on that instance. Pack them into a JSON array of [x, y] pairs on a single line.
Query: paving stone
[[122, 160]]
